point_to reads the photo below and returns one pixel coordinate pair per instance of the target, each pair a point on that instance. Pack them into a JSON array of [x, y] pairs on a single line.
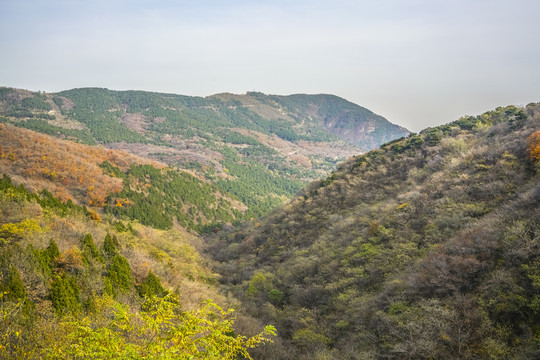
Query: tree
[[534, 146], [119, 273], [159, 331], [109, 247], [89, 247], [151, 286], [65, 294]]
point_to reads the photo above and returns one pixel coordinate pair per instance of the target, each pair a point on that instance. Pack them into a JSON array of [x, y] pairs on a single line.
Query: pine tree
[[109, 247], [65, 294], [13, 285], [119, 273], [89, 247], [151, 286]]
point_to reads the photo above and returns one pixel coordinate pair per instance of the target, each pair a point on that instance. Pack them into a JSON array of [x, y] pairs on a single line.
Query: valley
[[332, 233]]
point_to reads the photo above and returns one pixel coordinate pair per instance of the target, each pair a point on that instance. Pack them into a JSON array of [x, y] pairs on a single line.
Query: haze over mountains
[[424, 248]]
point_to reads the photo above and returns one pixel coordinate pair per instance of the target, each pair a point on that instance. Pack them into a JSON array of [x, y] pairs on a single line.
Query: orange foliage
[[94, 216], [534, 146], [68, 170], [71, 261]]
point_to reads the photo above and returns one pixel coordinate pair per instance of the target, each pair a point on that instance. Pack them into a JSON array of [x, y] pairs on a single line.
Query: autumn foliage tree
[[534, 146]]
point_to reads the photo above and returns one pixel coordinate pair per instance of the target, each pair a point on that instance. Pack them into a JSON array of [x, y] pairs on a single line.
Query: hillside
[[427, 248], [114, 182], [79, 287], [96, 260], [261, 149]]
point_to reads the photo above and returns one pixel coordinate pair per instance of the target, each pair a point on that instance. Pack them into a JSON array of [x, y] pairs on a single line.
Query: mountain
[[260, 149], [347, 121], [96, 260], [427, 248], [114, 182]]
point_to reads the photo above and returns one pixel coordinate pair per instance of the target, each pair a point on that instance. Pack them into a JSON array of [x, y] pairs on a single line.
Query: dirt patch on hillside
[[136, 122], [182, 155], [301, 151]]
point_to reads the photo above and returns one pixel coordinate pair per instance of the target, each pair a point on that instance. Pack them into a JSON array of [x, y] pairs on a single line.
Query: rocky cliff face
[[363, 130], [349, 122]]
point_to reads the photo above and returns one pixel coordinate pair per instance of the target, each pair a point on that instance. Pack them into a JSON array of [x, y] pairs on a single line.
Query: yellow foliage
[[14, 231], [160, 330], [402, 206]]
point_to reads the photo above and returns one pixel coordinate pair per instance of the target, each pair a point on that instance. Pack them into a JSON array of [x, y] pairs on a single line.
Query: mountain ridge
[[260, 148]]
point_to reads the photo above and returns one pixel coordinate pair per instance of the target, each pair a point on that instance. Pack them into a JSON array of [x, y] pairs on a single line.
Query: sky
[[419, 63]]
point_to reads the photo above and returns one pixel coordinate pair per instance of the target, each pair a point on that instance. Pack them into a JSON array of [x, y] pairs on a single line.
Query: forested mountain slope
[[96, 260], [260, 148], [113, 181], [427, 248], [80, 287]]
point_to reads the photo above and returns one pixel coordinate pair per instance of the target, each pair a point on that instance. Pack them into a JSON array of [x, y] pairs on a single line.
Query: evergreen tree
[[52, 250], [65, 294], [151, 286], [89, 247], [109, 246], [13, 285], [119, 273]]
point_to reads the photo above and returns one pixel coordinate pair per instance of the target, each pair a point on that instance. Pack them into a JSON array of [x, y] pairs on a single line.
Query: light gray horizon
[[418, 63]]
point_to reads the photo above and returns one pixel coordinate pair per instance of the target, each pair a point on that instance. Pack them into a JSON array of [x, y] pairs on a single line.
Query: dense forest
[[73, 286], [259, 148], [426, 248], [123, 213], [128, 186]]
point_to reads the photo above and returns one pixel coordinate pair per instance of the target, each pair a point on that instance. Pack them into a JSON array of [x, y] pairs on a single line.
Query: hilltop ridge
[[259, 148]]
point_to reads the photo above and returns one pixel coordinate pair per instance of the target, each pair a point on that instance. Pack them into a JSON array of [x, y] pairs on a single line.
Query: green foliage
[[46, 258], [433, 138], [157, 196], [151, 286], [37, 103], [99, 111], [159, 331], [89, 247], [13, 285], [260, 283], [65, 294], [109, 246], [275, 296], [52, 251], [44, 198], [249, 180], [108, 288], [233, 137], [307, 339], [119, 273]]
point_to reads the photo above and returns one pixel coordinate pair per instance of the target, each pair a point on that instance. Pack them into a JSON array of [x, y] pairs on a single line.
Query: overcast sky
[[418, 63]]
